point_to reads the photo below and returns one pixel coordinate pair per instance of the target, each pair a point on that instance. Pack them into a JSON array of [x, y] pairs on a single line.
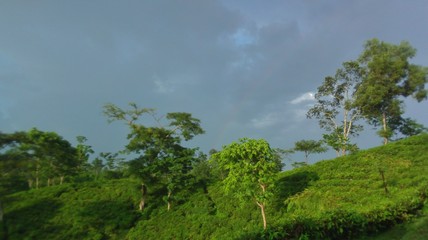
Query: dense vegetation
[[348, 197]]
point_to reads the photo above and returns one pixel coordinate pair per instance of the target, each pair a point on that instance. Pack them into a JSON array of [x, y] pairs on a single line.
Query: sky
[[245, 68]]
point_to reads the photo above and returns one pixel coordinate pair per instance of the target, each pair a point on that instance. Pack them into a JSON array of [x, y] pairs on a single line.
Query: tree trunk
[[385, 138], [143, 197], [30, 183], [37, 176], [345, 128], [61, 180], [262, 209], [385, 186], [3, 225], [141, 205], [1, 213], [169, 203]]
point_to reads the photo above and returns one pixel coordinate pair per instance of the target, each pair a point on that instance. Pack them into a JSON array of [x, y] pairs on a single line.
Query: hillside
[[344, 198]]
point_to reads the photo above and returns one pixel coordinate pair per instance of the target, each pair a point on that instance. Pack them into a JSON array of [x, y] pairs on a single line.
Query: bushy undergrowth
[[347, 196], [94, 210], [336, 199]]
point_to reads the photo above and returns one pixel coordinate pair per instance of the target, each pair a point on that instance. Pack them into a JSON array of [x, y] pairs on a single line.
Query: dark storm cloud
[[236, 65], [73, 57]]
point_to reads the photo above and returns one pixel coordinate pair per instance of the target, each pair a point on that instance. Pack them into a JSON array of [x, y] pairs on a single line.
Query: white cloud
[[279, 115], [265, 121], [309, 96], [163, 86], [173, 82]]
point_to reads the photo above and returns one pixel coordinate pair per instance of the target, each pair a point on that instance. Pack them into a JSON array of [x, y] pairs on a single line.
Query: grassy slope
[[339, 198], [73, 211], [415, 229], [353, 186]]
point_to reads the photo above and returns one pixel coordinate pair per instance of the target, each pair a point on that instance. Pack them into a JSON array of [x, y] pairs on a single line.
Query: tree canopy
[[388, 77], [252, 166], [309, 147], [335, 107], [161, 156], [37, 156]]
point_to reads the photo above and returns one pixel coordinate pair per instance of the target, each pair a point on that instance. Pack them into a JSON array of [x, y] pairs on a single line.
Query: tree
[[33, 157], [409, 127], [309, 147], [97, 167], [50, 156], [338, 142], [406, 126], [335, 106], [161, 157], [388, 77], [201, 169], [38, 155], [12, 163], [114, 164], [252, 166], [83, 152]]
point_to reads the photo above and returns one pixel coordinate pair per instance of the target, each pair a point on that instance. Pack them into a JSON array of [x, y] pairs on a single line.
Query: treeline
[[35, 158], [343, 198]]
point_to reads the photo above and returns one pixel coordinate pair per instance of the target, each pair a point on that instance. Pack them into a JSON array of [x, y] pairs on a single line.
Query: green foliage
[[388, 76], [347, 197], [309, 147], [249, 163], [252, 166], [161, 157], [93, 210], [408, 127], [414, 229], [335, 106], [37, 157], [342, 198], [339, 143], [83, 152]]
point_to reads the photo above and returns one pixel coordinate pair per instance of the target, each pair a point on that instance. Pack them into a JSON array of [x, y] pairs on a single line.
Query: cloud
[[243, 37], [305, 97], [279, 115], [163, 86], [265, 121], [232, 64]]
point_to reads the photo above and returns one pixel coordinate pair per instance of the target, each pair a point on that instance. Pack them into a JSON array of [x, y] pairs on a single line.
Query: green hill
[[359, 195]]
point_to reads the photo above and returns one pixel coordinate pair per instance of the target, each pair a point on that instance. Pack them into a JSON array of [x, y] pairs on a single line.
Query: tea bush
[[343, 198]]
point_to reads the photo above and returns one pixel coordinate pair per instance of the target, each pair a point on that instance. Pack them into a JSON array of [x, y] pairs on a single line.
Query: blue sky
[[245, 68]]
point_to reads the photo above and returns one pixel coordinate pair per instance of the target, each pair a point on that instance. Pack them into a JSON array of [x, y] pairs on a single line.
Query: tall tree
[[114, 164], [388, 77], [51, 156], [12, 162], [161, 157], [308, 147], [39, 155], [83, 151], [335, 108], [97, 167], [252, 166]]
